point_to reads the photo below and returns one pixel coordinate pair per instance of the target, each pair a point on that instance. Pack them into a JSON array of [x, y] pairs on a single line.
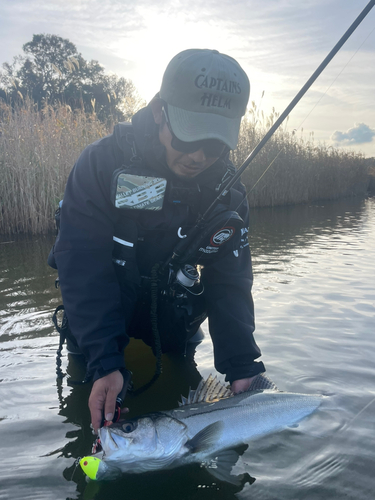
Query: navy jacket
[[98, 310]]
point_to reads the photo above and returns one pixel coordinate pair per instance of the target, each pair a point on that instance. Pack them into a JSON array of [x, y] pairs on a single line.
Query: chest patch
[[139, 192]]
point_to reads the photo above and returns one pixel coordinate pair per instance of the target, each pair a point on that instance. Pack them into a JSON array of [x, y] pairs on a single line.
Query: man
[[109, 240]]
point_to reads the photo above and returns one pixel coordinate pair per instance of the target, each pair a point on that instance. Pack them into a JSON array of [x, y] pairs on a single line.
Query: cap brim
[[190, 126]]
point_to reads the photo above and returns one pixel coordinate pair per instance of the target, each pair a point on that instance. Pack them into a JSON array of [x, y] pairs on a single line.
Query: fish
[[206, 428]]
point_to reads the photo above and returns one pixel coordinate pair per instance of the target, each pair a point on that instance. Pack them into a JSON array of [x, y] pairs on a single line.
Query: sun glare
[[162, 36]]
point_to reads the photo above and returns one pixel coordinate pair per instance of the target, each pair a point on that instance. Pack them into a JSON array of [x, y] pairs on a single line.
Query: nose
[[198, 156]]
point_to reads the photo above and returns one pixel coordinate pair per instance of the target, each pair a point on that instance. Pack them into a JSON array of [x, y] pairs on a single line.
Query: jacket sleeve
[[230, 309], [83, 253]]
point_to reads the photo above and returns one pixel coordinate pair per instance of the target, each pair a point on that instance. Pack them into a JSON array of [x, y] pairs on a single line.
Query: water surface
[[314, 295]]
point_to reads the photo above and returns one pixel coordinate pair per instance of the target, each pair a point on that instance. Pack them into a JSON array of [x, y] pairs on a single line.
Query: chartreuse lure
[[90, 466], [96, 469]]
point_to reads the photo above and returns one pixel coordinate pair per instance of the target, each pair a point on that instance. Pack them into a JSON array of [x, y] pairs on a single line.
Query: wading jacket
[[99, 308]]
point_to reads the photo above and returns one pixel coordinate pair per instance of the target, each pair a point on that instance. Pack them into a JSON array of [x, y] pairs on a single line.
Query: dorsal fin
[[261, 383], [211, 390], [208, 390]]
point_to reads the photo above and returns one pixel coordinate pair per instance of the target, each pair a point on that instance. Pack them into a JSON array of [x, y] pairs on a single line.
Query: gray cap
[[207, 94]]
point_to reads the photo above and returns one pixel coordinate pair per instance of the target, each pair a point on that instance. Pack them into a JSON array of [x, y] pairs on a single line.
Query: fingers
[[110, 404], [102, 399], [96, 403], [241, 385]]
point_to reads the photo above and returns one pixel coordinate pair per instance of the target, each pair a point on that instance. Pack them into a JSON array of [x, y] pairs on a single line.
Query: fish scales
[[250, 417]]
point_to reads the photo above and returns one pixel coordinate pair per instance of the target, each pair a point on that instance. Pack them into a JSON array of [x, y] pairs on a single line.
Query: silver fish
[[206, 428]]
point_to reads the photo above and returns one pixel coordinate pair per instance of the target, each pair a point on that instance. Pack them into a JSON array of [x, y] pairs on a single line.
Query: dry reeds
[[37, 152], [291, 169], [39, 148]]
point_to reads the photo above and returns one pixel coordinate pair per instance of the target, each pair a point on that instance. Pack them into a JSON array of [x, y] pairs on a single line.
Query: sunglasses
[[212, 148]]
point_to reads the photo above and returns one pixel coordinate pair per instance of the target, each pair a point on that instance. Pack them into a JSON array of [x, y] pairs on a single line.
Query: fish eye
[[129, 427]]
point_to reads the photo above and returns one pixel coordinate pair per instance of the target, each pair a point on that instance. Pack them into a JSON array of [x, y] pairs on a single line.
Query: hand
[[103, 398], [241, 385]]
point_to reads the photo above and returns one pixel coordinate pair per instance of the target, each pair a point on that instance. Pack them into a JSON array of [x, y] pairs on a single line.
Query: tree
[[52, 70]]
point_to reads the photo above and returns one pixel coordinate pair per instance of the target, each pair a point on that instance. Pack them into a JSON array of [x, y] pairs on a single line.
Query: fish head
[[130, 439], [137, 441]]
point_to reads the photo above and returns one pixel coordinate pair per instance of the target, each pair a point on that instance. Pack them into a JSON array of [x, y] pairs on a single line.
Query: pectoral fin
[[205, 438]]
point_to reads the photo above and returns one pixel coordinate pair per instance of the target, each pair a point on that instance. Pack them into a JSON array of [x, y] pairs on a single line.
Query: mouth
[[105, 438], [97, 446], [194, 169]]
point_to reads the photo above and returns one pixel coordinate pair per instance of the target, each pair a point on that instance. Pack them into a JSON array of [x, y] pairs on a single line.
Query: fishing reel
[[185, 280]]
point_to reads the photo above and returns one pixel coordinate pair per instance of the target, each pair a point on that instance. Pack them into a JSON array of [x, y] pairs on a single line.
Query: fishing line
[[337, 76], [360, 412], [249, 190], [76, 464]]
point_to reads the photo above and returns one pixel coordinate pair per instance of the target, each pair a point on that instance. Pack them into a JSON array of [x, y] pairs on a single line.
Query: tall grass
[[291, 169], [37, 152], [39, 148]]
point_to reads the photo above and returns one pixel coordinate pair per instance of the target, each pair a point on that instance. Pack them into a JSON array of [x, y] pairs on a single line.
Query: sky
[[279, 43]]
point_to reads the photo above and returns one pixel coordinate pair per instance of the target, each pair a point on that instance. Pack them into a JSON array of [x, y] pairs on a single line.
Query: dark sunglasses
[[212, 148]]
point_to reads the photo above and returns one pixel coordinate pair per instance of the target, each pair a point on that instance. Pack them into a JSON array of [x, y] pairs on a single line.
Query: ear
[[156, 108]]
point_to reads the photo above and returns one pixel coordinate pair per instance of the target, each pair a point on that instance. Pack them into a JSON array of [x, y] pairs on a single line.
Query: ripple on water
[[314, 297]]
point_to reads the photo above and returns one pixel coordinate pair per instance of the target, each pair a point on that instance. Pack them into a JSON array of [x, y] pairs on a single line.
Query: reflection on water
[[290, 227], [277, 235], [315, 307]]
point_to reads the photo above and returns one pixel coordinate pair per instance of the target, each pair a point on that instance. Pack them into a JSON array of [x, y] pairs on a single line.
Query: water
[[315, 306]]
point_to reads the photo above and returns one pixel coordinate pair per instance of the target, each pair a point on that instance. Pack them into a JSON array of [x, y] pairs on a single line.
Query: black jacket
[[99, 312]]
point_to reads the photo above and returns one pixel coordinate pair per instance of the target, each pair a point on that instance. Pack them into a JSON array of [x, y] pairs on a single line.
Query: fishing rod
[[183, 245]]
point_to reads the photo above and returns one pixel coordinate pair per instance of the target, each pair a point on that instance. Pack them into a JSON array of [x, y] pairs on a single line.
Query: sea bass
[[206, 428]]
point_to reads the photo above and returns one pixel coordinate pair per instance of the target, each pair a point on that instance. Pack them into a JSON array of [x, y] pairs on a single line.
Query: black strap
[[62, 330], [154, 317], [64, 323], [62, 333]]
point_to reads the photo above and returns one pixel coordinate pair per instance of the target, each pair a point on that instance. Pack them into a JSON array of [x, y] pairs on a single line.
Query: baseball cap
[[207, 94]]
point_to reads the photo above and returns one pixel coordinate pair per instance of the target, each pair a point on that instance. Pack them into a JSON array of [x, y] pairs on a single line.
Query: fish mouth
[[106, 439], [111, 438], [97, 446]]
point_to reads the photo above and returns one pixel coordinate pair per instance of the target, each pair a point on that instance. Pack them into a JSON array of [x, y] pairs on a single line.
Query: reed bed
[[39, 148], [37, 152], [291, 169]]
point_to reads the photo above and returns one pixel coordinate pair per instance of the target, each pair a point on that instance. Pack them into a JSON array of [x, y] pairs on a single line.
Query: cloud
[[359, 134]]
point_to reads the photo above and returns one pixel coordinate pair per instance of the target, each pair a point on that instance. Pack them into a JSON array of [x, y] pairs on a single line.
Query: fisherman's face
[[184, 165]]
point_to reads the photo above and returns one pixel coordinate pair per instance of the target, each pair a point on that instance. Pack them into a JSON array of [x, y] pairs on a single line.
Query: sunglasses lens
[[212, 148], [184, 147]]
